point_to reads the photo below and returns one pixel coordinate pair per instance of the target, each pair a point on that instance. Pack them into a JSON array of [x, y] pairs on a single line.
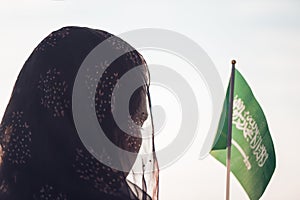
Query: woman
[[42, 155]]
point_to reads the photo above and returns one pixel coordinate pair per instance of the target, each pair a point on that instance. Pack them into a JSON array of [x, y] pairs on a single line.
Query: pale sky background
[[263, 36]]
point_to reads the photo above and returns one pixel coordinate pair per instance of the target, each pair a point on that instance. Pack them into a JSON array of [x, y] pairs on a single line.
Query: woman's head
[[42, 154]]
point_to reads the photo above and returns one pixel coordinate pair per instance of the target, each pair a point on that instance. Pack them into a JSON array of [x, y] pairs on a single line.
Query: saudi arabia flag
[[252, 155]]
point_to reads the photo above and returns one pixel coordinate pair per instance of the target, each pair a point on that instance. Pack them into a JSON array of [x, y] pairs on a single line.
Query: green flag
[[252, 154]]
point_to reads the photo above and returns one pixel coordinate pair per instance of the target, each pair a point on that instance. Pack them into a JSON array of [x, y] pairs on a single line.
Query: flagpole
[[229, 132]]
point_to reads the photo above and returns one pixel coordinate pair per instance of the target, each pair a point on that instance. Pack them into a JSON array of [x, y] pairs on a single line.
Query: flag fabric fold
[[252, 154]]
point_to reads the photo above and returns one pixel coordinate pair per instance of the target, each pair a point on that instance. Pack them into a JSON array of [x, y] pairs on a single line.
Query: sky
[[263, 36]]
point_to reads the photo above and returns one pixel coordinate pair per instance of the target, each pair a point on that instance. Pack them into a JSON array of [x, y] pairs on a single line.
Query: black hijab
[[41, 154]]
